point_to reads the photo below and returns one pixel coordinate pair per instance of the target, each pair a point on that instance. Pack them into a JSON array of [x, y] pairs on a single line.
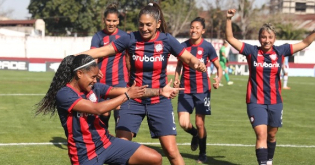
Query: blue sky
[[20, 11]]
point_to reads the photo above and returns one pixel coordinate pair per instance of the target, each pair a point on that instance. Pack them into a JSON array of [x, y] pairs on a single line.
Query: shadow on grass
[[211, 159], [59, 142]]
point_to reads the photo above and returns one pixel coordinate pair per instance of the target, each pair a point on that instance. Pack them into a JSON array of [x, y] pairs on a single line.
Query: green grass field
[[230, 136]]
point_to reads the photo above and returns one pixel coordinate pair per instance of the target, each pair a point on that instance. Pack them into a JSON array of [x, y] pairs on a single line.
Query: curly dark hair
[[65, 73]]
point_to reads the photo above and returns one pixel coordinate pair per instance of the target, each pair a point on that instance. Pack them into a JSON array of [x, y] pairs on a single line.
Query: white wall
[[59, 47]]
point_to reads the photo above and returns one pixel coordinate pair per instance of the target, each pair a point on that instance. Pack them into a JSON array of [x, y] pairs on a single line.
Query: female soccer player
[[113, 69], [75, 94], [197, 87], [149, 49], [264, 102], [223, 63]]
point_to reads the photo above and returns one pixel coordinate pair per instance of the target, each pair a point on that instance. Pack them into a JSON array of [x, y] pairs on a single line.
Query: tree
[[81, 16], [288, 32], [178, 13]]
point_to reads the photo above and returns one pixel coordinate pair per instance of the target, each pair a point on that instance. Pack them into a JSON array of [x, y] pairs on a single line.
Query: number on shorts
[[207, 101]]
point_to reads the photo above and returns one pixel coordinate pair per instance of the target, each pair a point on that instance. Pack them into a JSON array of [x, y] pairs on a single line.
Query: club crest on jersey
[[158, 47], [92, 98], [273, 57], [199, 52]]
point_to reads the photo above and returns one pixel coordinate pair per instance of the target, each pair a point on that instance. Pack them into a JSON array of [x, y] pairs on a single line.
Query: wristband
[[128, 98]]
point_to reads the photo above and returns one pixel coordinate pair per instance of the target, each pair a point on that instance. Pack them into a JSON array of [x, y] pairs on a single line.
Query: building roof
[[17, 22]]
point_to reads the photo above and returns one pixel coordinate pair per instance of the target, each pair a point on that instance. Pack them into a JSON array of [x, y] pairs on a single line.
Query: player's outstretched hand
[[200, 67], [230, 13], [170, 92], [176, 84], [216, 83], [136, 92]]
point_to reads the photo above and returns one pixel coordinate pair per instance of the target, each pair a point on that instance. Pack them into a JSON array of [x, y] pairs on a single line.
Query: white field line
[[21, 94], [145, 143]]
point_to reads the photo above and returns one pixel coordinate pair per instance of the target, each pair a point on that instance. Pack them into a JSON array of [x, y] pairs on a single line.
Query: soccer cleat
[[221, 85], [269, 162], [230, 82], [202, 158], [194, 143], [286, 88]]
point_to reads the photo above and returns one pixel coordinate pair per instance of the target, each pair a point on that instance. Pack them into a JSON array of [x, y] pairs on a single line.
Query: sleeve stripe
[[181, 53], [116, 50], [108, 90], [74, 103]]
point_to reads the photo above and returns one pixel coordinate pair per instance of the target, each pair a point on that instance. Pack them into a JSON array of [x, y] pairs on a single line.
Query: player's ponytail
[[61, 78], [155, 11], [65, 73], [112, 8]]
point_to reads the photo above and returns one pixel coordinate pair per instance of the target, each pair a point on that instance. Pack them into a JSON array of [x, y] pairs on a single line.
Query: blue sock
[[271, 149], [262, 156], [193, 131]]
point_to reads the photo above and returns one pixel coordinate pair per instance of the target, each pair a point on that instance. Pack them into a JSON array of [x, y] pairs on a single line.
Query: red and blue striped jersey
[[113, 67], [148, 59], [86, 133], [264, 85], [194, 81]]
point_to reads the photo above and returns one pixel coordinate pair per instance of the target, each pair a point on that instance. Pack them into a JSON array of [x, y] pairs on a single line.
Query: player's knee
[[172, 153], [200, 124], [184, 124], [271, 137], [156, 159]]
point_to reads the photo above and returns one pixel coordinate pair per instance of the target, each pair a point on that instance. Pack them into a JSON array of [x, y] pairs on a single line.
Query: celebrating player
[[264, 101], [149, 49], [75, 94], [197, 87], [113, 69]]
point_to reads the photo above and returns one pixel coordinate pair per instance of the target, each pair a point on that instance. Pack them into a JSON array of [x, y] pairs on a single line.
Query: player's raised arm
[[304, 43], [100, 52], [229, 33]]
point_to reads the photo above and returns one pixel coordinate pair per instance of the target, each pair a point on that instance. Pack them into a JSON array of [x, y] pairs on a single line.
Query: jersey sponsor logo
[[146, 58], [266, 65], [106, 43], [158, 47]]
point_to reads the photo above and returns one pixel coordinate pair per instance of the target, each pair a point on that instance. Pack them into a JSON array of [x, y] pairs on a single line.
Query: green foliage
[[289, 32], [83, 17]]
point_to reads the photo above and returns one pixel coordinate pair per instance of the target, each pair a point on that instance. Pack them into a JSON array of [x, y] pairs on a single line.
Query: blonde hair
[[267, 27]]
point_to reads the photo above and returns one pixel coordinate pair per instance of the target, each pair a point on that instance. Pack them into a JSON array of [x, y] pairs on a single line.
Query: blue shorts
[[265, 114], [200, 101], [118, 152], [160, 117]]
